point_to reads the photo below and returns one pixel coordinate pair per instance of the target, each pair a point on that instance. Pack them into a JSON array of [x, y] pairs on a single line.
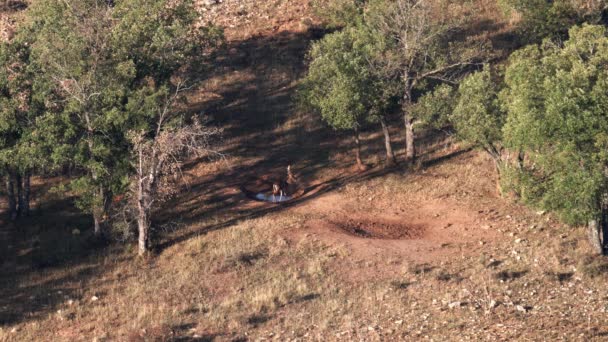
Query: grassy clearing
[[268, 278]]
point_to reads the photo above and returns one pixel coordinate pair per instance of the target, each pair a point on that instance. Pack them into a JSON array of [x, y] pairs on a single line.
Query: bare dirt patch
[[382, 229]]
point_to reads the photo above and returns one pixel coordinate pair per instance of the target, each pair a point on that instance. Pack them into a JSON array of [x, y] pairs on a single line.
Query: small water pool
[[272, 198]]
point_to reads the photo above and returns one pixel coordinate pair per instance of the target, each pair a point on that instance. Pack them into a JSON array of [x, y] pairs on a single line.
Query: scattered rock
[[94, 299], [540, 213], [399, 322], [454, 305], [522, 308], [493, 304], [75, 231], [211, 2]]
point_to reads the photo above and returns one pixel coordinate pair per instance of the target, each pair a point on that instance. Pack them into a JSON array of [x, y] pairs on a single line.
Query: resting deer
[[284, 187]]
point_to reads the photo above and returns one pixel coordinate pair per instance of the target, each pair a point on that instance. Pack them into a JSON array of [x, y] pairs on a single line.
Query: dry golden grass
[[254, 280]]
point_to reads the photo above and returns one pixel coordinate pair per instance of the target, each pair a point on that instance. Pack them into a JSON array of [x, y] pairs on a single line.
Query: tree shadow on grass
[[236, 215], [47, 264]]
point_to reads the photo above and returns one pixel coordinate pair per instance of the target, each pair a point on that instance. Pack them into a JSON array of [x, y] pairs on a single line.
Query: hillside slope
[[388, 254]]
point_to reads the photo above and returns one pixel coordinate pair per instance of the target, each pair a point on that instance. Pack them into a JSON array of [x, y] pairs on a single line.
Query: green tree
[[342, 88], [478, 117], [434, 108], [119, 72], [557, 100], [9, 132], [420, 46], [73, 46], [20, 108]]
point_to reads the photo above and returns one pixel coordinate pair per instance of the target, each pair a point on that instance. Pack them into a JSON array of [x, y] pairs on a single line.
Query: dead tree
[[157, 159]]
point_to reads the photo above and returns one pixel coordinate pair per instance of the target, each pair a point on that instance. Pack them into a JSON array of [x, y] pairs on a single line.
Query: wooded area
[[83, 90], [543, 105]]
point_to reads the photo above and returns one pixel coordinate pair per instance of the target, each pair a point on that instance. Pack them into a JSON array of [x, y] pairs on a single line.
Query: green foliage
[[557, 100], [80, 75], [551, 19], [22, 103], [435, 108], [158, 37], [340, 85], [72, 45], [478, 117], [420, 45]]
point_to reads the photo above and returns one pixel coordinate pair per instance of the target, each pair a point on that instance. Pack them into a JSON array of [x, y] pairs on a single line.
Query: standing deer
[[284, 187]]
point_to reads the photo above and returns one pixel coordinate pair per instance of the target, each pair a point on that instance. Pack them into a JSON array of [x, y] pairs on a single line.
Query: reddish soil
[[379, 229], [437, 230]]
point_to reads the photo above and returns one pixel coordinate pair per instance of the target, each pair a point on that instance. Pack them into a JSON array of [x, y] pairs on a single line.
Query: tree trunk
[[597, 228], [410, 143], [497, 165], [604, 228], [143, 220], [27, 191], [10, 193], [20, 201], [520, 159], [358, 150], [99, 212], [98, 209], [390, 156], [143, 227], [97, 223], [593, 231], [410, 147]]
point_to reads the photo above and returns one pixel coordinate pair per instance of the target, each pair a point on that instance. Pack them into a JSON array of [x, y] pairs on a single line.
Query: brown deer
[[284, 187]]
